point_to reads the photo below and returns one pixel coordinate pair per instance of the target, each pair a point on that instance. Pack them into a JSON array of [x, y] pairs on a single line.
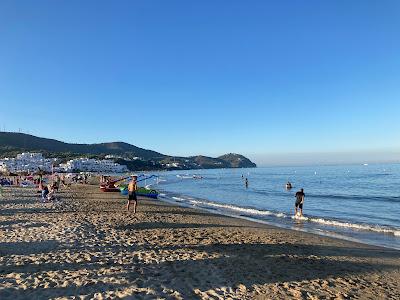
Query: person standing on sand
[[45, 192], [58, 181], [299, 202], [132, 188]]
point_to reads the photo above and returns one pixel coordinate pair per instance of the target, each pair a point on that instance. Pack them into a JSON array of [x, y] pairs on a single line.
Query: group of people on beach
[[18, 180], [48, 192]]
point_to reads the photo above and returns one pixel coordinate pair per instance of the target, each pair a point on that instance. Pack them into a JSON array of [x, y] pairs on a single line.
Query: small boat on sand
[[144, 192], [141, 191], [109, 188]]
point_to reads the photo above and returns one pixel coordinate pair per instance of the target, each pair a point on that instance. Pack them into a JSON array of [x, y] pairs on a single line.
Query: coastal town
[[203, 150], [31, 162]]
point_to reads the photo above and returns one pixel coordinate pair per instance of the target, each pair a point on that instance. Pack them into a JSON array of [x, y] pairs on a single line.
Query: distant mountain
[[135, 158], [210, 163], [237, 161], [17, 142]]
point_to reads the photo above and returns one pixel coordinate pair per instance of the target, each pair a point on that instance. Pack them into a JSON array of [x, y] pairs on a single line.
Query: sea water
[[354, 202]]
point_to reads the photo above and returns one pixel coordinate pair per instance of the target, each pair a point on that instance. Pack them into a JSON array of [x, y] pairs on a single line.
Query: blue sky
[[267, 79]]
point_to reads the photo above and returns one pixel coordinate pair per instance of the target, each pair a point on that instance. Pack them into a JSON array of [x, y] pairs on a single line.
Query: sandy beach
[[86, 246]]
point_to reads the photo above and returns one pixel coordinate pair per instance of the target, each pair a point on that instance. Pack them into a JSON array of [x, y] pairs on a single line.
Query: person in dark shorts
[[132, 188], [299, 202]]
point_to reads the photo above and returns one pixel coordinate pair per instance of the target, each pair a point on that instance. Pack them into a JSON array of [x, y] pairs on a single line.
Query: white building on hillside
[[93, 165], [26, 162]]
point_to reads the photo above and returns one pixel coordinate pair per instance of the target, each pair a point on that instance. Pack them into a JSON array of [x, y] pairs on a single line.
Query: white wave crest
[[178, 199], [255, 212], [252, 211], [374, 228]]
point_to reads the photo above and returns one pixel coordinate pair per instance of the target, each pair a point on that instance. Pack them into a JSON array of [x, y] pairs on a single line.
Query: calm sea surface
[[356, 202]]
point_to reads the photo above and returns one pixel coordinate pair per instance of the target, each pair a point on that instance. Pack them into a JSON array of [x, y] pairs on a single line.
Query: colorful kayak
[[147, 193], [140, 192]]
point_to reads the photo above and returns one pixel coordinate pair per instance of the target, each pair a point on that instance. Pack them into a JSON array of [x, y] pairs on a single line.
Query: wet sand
[[87, 246]]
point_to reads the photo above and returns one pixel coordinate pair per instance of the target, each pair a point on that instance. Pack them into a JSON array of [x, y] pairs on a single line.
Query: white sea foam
[[179, 199], [255, 212], [374, 228], [301, 218], [184, 176], [251, 211]]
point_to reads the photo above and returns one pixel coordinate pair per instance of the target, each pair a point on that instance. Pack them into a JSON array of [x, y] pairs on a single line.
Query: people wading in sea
[[299, 202], [246, 183], [132, 188]]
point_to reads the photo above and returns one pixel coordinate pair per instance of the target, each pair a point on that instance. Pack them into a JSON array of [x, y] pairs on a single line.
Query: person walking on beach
[[132, 188], [58, 181], [45, 192], [299, 202]]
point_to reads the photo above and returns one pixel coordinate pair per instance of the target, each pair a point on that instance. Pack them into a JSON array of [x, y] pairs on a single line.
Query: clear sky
[[274, 80]]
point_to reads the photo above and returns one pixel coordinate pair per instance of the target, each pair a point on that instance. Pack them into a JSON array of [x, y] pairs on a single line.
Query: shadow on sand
[[233, 264], [230, 265], [28, 248], [166, 226], [21, 224]]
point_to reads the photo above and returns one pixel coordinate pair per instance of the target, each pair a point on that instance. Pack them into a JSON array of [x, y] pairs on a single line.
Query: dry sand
[[86, 246]]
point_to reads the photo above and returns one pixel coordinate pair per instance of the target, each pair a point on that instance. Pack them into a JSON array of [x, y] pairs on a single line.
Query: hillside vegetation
[[135, 158]]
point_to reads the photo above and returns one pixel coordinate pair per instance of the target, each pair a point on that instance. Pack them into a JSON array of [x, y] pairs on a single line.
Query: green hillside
[[133, 157], [11, 142]]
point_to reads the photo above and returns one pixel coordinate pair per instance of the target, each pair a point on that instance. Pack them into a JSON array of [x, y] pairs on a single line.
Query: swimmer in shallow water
[[299, 202]]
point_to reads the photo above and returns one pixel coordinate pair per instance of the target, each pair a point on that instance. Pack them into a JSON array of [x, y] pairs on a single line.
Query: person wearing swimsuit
[[132, 188], [299, 202]]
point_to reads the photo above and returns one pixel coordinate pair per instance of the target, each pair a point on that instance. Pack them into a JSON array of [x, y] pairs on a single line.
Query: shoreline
[[88, 246], [276, 224]]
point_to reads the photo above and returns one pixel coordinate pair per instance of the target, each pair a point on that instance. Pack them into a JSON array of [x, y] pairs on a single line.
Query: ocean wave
[[367, 227], [184, 176], [389, 199], [258, 212], [251, 211], [178, 198]]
